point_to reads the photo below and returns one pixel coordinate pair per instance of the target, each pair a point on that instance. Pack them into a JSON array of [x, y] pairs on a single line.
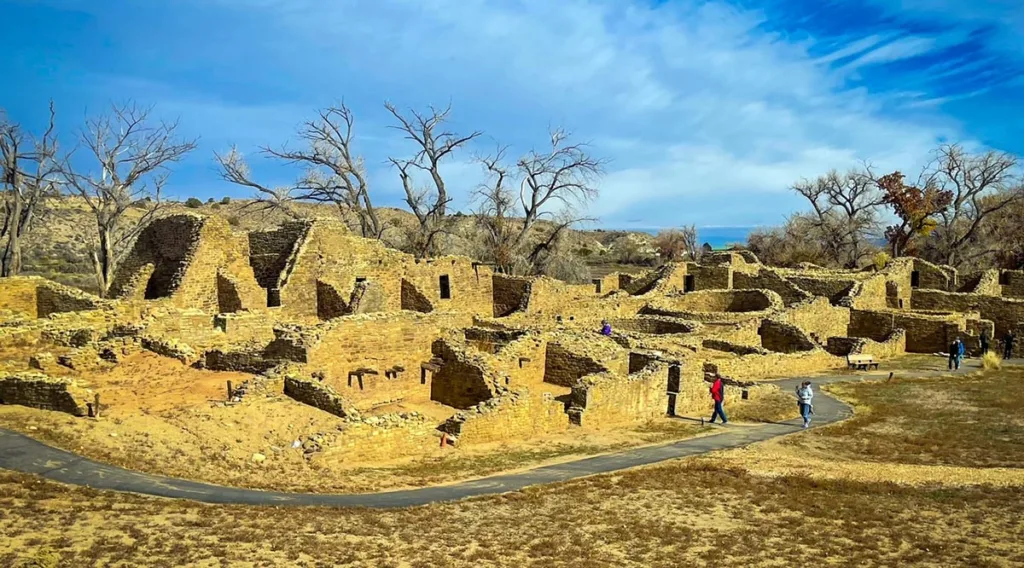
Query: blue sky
[[707, 111]]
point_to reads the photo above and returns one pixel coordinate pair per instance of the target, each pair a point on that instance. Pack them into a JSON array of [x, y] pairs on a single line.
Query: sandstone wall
[[515, 416], [563, 367], [464, 379], [893, 346], [783, 337], [48, 393], [315, 394], [710, 277], [379, 342], [1012, 283], [510, 294], [934, 277], [819, 318], [608, 400], [984, 282], [767, 279], [757, 367], [832, 288], [1005, 313]]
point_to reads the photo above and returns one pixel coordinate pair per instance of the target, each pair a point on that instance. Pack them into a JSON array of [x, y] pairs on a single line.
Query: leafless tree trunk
[[981, 185], [334, 174], [434, 144], [553, 185], [29, 170], [845, 210], [133, 156]]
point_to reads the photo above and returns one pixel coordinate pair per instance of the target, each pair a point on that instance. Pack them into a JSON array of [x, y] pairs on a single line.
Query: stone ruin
[[352, 328]]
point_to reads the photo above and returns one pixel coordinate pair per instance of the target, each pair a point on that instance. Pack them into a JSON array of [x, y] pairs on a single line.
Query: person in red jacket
[[718, 395]]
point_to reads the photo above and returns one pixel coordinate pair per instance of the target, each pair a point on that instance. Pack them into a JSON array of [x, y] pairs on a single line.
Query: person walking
[[804, 396], [961, 349], [718, 395], [984, 342], [1008, 344], [954, 352]]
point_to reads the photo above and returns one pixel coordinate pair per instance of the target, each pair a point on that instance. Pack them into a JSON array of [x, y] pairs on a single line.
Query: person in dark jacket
[[956, 353], [718, 395], [984, 342], [1008, 344]]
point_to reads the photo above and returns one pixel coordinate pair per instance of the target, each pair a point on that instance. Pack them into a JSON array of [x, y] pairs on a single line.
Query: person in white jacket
[[804, 396]]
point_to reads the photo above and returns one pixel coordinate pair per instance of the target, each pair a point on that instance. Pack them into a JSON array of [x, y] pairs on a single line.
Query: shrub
[[225, 200], [881, 260], [234, 221], [193, 203], [990, 361]]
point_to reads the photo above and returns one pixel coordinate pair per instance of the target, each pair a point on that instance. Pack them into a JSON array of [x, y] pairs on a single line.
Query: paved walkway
[[21, 453]]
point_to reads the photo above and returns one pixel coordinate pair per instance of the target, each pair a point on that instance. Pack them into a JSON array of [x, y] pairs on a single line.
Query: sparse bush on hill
[[193, 203], [225, 200]]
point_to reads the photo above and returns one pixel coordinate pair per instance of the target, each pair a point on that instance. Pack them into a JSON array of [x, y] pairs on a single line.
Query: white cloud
[[707, 117]]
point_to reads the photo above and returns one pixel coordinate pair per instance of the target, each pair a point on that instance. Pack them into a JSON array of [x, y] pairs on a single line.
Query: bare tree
[[133, 155], [845, 212], [30, 170], [553, 185], [333, 173], [677, 244], [434, 144], [981, 185]]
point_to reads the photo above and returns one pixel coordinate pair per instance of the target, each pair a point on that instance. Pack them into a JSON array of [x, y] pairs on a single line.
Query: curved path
[[21, 453]]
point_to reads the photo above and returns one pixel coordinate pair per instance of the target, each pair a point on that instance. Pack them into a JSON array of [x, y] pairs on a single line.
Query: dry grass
[[670, 515], [990, 361], [959, 420]]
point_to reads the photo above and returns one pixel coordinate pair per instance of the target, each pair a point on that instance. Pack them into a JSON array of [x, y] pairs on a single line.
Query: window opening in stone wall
[[689, 283], [273, 297], [597, 285], [915, 279], [1004, 278], [446, 287], [360, 279]]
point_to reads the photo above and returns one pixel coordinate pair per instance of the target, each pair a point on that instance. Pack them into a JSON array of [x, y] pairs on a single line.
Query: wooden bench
[[864, 362]]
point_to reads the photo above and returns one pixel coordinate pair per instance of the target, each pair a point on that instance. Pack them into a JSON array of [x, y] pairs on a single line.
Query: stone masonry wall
[[710, 277], [819, 318], [934, 277], [610, 400], [767, 279], [1012, 283], [48, 393], [316, 394], [831, 288], [510, 294], [514, 416], [564, 368], [782, 337], [1005, 313]]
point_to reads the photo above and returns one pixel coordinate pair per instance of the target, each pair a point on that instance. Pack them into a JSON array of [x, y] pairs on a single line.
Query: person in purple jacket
[[606, 328]]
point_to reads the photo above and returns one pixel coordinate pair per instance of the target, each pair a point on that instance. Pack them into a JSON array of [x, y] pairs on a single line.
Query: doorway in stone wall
[[446, 287]]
